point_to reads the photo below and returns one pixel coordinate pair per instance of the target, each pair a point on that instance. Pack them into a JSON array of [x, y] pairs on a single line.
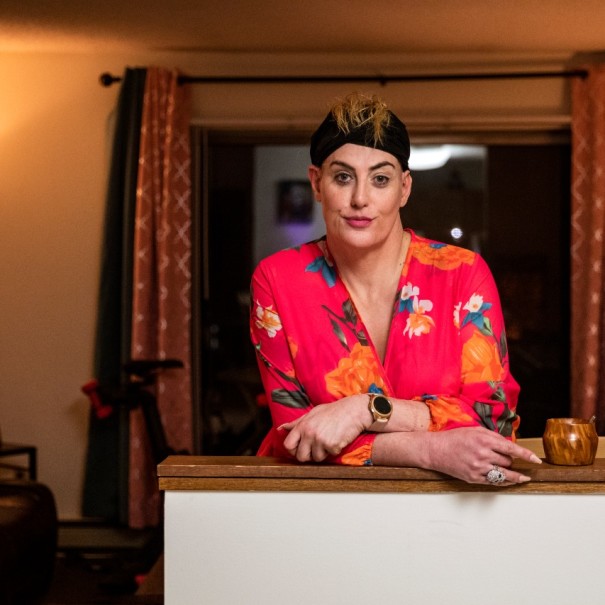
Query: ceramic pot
[[570, 441]]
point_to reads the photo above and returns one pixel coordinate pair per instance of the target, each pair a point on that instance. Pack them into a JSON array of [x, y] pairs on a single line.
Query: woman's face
[[361, 190]]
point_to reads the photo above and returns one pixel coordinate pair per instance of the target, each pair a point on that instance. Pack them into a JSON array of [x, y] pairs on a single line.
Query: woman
[[377, 346]]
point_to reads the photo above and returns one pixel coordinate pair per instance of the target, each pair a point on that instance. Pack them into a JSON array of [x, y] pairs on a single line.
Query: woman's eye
[[343, 177], [381, 180]]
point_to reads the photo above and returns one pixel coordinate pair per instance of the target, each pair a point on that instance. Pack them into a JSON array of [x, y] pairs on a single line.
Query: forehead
[[361, 157]]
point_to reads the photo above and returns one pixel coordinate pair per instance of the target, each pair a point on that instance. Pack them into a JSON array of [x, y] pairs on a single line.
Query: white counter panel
[[270, 548]]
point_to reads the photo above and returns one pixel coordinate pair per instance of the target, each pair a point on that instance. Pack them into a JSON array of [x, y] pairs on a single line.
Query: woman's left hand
[[327, 429]]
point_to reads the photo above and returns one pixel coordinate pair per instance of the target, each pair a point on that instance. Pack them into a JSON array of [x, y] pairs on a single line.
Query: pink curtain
[[162, 279], [587, 247]]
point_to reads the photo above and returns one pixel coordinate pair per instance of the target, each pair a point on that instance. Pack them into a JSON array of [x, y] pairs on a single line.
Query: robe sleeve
[[488, 392], [276, 351]]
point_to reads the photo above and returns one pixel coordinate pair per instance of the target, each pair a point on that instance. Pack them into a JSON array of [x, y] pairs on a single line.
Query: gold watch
[[380, 407]]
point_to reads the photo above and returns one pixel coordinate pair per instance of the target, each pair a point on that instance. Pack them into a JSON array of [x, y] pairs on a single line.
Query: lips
[[358, 222]]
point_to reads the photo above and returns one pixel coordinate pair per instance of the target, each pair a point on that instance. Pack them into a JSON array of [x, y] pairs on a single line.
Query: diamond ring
[[495, 475]]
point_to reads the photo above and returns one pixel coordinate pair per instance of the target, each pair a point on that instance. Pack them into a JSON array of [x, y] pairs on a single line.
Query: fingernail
[[535, 459], [524, 479]]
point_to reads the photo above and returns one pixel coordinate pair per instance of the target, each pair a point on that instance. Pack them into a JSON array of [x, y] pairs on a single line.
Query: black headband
[[328, 138]]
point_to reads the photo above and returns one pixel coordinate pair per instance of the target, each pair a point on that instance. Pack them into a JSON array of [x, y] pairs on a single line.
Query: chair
[[28, 541]]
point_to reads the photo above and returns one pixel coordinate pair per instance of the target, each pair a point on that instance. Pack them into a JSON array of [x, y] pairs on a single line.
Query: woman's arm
[[465, 453], [328, 429], [288, 400], [487, 393]]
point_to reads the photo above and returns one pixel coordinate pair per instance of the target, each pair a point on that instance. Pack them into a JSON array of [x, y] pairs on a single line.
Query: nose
[[359, 196]]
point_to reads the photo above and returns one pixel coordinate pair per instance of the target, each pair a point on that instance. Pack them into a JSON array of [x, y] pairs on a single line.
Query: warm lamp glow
[[429, 157]]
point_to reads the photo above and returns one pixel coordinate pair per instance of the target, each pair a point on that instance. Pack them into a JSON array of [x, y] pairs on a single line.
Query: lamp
[[429, 157]]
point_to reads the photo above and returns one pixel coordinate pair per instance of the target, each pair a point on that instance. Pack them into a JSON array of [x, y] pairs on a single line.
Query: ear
[[314, 174], [406, 188]]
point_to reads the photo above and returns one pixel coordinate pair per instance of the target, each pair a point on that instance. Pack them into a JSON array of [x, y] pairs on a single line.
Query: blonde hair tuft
[[357, 110]]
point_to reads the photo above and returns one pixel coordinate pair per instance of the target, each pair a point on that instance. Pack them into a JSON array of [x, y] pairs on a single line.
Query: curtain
[[161, 309], [587, 247], [105, 485]]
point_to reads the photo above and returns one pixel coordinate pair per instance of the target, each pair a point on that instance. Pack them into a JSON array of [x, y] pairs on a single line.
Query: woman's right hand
[[470, 453], [327, 428]]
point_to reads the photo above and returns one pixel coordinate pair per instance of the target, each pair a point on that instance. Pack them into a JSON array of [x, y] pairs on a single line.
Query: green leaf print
[[349, 312], [505, 422], [498, 394], [487, 327], [503, 346], [484, 411], [291, 399], [349, 320], [283, 375], [339, 333]]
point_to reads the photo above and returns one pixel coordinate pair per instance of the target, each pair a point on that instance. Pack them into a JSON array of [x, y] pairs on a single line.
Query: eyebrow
[[375, 167]]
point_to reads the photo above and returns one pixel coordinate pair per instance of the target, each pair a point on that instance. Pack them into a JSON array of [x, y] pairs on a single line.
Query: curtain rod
[[107, 79]]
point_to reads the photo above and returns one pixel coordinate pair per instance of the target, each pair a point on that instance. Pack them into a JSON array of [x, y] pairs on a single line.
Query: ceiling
[[422, 27]]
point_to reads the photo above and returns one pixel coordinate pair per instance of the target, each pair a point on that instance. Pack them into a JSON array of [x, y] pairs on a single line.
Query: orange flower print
[[444, 411], [357, 457], [442, 256], [267, 319], [481, 360], [418, 323], [293, 346], [355, 373]]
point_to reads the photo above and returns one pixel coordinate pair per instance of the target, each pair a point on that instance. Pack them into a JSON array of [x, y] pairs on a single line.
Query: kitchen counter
[[264, 530]]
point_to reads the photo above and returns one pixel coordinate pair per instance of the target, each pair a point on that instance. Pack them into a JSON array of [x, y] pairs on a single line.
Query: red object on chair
[[101, 410]]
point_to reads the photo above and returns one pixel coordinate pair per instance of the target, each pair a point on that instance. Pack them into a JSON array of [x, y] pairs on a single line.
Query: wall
[[54, 141], [271, 166]]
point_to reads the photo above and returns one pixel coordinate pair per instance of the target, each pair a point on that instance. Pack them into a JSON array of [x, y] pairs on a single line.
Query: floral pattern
[[324, 265], [417, 322], [446, 345], [442, 256], [481, 360], [445, 411], [267, 319], [357, 373]]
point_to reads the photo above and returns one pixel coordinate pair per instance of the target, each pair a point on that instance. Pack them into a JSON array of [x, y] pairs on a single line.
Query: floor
[[99, 564]]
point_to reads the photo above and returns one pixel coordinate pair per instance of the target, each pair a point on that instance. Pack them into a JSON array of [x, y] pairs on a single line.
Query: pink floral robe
[[446, 345]]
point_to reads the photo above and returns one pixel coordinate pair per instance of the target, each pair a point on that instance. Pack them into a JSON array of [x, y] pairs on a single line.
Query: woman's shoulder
[[440, 255], [291, 259]]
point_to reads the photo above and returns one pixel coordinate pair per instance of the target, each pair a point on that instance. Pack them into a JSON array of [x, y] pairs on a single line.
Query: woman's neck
[[371, 272], [372, 281]]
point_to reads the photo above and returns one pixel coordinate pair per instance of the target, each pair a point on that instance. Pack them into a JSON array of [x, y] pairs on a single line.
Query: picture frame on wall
[[294, 201]]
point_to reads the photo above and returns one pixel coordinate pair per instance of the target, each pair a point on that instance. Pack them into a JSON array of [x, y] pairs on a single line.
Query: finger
[[501, 460], [288, 426], [303, 452], [318, 453], [515, 478], [334, 450], [510, 478], [292, 441], [528, 455], [516, 451]]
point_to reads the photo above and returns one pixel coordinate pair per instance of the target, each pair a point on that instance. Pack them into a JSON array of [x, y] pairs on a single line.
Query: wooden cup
[[570, 441]]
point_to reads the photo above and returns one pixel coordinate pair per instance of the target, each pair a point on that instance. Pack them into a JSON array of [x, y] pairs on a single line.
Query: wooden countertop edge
[[251, 467], [223, 484]]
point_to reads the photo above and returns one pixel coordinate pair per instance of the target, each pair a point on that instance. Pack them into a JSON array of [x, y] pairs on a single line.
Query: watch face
[[382, 405]]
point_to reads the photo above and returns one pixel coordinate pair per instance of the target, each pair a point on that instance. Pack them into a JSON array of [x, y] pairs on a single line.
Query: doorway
[[509, 202]]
